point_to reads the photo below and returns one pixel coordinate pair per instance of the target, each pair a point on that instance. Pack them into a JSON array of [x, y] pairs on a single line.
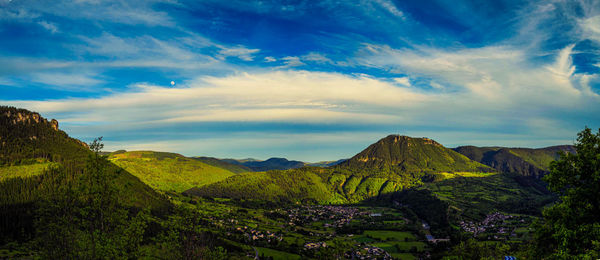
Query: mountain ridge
[[273, 163], [532, 162]]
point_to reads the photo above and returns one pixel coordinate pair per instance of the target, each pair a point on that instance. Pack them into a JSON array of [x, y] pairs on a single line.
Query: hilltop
[[410, 154], [26, 136]]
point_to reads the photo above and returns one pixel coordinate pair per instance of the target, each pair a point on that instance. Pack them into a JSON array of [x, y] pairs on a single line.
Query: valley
[[400, 198]]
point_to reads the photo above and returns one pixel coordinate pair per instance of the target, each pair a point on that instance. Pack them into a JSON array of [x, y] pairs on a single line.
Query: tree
[[82, 219], [571, 228]]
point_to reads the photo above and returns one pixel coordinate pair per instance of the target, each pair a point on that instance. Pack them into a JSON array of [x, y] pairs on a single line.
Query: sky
[[305, 80]]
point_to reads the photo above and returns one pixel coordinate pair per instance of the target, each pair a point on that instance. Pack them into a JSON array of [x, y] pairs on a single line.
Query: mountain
[[29, 141], [523, 161], [267, 165], [174, 172], [393, 163], [37, 159], [26, 137], [327, 163], [412, 155]]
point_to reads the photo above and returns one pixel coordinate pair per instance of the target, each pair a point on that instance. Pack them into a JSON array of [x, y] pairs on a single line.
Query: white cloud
[[435, 85], [390, 7], [291, 61], [124, 12], [275, 96], [404, 81], [498, 74], [590, 27], [240, 52], [316, 57], [78, 81], [270, 59], [49, 26]]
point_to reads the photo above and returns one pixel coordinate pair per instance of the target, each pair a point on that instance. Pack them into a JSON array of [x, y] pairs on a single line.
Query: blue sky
[[307, 80]]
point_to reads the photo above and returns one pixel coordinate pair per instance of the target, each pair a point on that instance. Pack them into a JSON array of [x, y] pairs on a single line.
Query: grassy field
[[277, 255], [450, 175], [169, 171], [397, 247], [24, 170], [384, 235], [403, 256]]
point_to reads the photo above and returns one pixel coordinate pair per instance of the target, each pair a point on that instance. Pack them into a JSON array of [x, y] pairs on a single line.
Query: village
[[314, 230], [497, 225], [338, 215]]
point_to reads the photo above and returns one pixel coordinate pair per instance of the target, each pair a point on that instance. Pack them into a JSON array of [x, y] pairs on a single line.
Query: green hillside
[[171, 171], [296, 185], [28, 139], [523, 161], [37, 160], [412, 155], [26, 170]]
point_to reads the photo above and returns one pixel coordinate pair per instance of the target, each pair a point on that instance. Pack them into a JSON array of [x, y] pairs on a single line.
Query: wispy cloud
[[290, 61], [49, 26], [239, 52], [67, 81]]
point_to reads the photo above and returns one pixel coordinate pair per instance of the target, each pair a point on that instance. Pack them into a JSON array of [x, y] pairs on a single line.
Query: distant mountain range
[[267, 165]]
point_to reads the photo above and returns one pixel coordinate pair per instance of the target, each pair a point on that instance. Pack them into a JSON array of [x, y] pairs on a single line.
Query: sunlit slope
[[23, 171], [171, 171], [298, 185]]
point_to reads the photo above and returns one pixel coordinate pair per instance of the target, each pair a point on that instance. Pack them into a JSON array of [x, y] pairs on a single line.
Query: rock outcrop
[[26, 117]]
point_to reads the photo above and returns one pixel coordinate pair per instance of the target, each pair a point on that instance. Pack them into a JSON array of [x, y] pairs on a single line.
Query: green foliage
[[275, 254], [384, 235], [88, 222], [183, 237], [473, 249], [288, 186], [571, 227], [169, 171], [411, 155], [473, 198], [25, 171]]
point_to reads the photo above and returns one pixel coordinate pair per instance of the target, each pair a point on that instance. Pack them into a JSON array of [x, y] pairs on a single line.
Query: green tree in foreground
[[571, 228], [83, 219]]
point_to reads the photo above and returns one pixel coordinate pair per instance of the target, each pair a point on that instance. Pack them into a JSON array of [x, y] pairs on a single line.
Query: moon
[[172, 83]]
